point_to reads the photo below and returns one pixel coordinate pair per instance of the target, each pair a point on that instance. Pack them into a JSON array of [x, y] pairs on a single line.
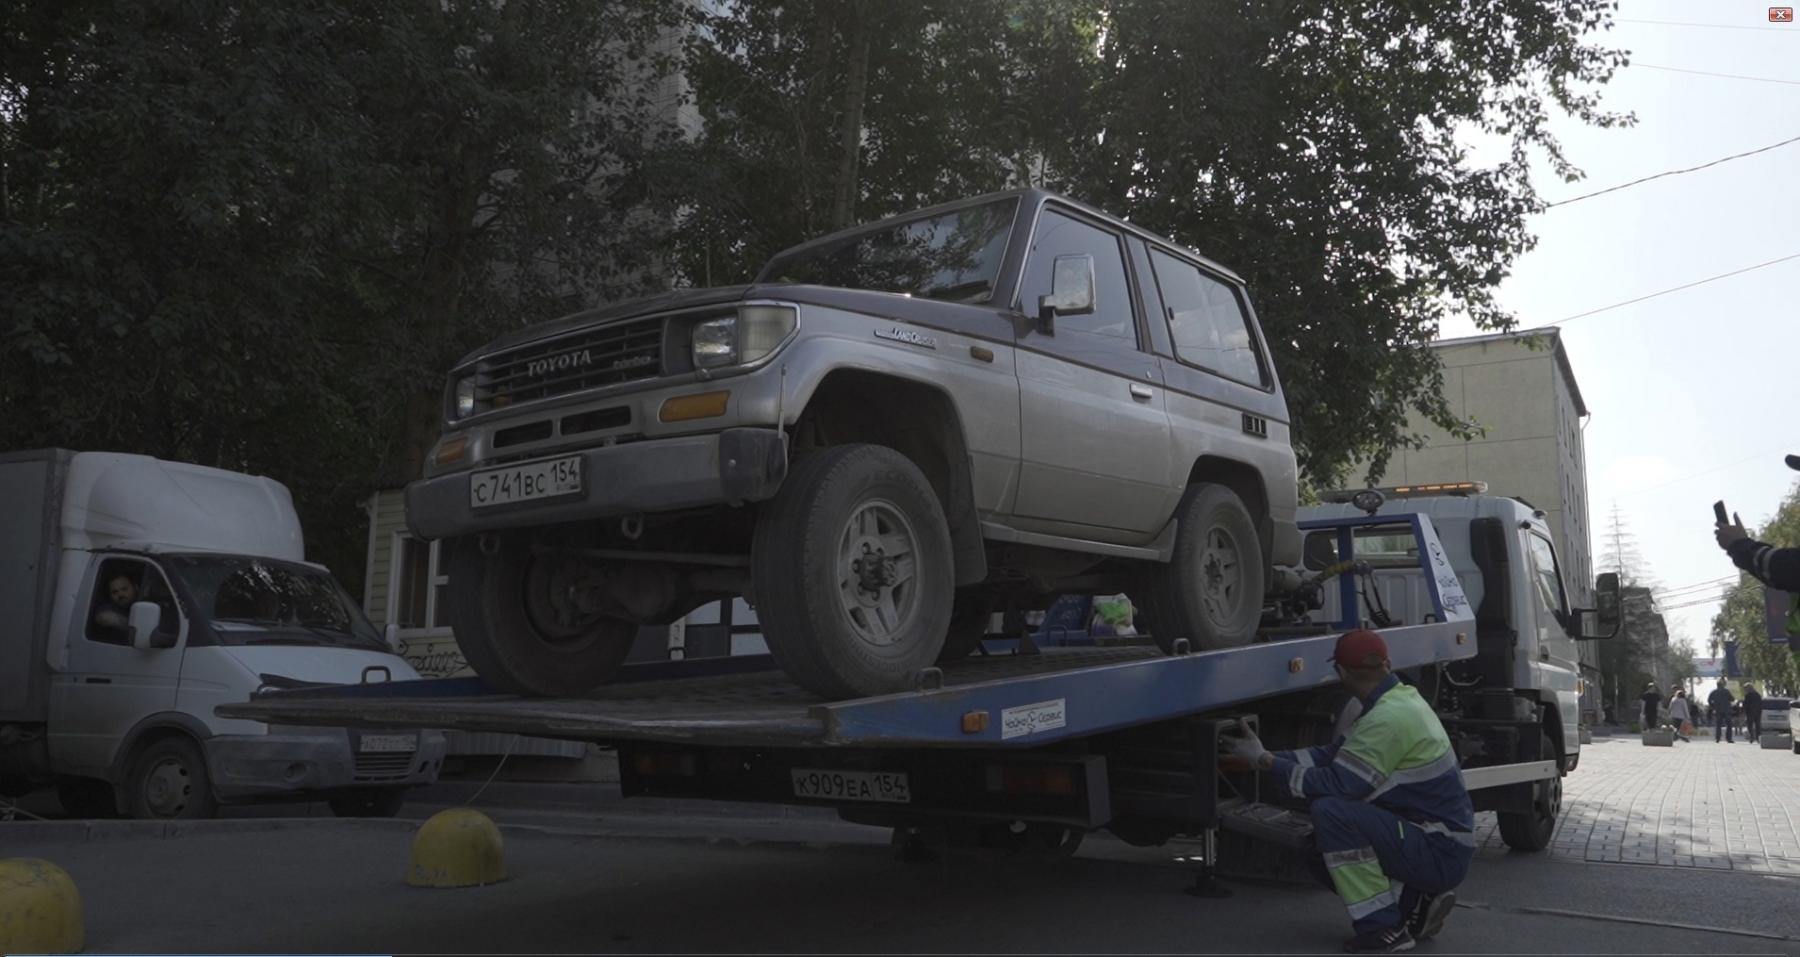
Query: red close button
[[1781, 14]]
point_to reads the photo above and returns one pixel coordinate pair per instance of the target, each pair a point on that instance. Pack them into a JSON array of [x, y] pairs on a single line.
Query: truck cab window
[[122, 582], [1060, 235], [1546, 575]]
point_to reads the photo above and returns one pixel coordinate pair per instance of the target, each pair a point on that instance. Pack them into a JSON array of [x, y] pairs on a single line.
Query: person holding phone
[[1777, 568]]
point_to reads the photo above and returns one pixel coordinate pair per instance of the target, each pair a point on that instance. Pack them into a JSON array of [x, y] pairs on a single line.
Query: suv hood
[[611, 312]]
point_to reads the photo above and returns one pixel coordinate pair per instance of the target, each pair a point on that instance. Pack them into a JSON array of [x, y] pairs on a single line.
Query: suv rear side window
[[1207, 321], [1059, 235]]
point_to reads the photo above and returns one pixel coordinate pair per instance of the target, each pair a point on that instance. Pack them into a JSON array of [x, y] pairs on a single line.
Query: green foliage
[[254, 236], [1741, 618]]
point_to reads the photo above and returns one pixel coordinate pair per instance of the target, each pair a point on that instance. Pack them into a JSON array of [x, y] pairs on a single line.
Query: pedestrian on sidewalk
[[1752, 713], [1681, 716], [1720, 703], [1392, 820], [1652, 699]]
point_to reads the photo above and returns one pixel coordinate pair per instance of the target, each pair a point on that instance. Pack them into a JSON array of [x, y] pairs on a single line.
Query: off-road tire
[[502, 643], [1179, 592], [799, 563]]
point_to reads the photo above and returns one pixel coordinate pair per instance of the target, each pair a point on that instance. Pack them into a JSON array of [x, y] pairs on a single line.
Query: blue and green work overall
[[1390, 813]]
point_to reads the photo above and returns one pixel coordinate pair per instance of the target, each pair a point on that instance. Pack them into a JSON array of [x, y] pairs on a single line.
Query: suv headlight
[[752, 334], [464, 404]]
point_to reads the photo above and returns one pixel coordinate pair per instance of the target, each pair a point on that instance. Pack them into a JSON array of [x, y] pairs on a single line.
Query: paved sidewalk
[[1720, 806]]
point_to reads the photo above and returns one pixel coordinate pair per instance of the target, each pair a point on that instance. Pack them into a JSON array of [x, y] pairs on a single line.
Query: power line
[[1724, 76], [1673, 172], [1664, 292], [1708, 26]]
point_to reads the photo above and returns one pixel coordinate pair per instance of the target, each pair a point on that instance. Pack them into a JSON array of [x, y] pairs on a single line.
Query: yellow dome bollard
[[459, 847], [40, 910]]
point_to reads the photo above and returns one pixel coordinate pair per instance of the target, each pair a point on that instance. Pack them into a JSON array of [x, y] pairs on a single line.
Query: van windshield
[[262, 601]]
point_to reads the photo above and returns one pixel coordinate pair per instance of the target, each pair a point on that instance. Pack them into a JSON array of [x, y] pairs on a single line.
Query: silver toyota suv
[[895, 431]]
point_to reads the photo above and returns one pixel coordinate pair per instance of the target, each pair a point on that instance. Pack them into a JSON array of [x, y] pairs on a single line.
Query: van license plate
[[522, 483], [880, 787], [388, 743]]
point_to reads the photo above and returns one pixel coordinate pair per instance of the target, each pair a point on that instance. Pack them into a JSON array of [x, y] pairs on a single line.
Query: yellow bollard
[[459, 847], [40, 910]]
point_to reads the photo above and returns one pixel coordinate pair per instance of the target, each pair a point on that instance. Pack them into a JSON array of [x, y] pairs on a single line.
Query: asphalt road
[[669, 883]]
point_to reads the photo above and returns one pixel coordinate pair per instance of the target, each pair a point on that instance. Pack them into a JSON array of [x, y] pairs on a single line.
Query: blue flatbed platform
[[1029, 700]]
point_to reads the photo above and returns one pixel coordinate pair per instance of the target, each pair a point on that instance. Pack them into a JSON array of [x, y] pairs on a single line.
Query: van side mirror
[[1071, 290], [391, 635], [145, 618], [1606, 606]]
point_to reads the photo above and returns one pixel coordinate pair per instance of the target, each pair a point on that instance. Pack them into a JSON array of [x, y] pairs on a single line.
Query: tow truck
[[1032, 751]]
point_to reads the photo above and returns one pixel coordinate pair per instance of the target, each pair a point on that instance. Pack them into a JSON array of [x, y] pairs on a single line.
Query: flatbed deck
[[1028, 700]]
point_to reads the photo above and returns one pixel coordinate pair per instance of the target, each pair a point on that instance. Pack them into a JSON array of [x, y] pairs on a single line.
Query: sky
[[1694, 396]]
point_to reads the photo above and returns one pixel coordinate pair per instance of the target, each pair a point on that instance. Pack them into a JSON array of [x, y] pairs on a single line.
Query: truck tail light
[[1025, 779]]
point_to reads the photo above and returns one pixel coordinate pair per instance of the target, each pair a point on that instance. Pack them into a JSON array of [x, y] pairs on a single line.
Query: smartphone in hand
[[1719, 515]]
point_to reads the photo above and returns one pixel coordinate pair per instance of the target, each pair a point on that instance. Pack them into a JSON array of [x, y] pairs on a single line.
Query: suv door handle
[[1141, 391]]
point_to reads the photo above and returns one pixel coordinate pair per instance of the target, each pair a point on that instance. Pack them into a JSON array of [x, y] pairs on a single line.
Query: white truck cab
[[149, 592], [1526, 673]]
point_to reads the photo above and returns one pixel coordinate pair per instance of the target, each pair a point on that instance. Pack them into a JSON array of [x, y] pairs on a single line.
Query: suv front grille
[[609, 355]]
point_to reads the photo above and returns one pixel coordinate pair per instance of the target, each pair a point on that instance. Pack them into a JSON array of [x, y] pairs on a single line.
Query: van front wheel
[[167, 780]]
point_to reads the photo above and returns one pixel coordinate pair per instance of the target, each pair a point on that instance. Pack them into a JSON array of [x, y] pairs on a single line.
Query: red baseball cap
[[1361, 648]]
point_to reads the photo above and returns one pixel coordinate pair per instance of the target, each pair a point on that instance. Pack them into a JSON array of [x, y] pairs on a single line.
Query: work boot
[[1429, 917], [1384, 940]]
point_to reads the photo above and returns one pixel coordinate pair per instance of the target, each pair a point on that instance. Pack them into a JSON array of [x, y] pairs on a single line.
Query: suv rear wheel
[[520, 626], [851, 566], [1211, 590]]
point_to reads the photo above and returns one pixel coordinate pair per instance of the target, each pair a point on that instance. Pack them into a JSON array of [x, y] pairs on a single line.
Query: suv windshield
[[257, 601], [953, 256]]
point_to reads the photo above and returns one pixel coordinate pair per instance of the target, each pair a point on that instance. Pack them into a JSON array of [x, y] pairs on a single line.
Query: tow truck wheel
[[522, 625], [168, 779], [852, 572], [1211, 590], [369, 802], [1531, 830]]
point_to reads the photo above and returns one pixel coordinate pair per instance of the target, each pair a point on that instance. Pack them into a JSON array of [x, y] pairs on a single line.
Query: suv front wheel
[[852, 571], [1211, 590]]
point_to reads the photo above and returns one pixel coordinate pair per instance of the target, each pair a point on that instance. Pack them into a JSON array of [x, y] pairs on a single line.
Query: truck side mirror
[[1606, 606], [1071, 290], [391, 635], [145, 617]]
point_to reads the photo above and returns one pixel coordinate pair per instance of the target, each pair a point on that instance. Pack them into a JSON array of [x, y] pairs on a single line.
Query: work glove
[[1243, 744]]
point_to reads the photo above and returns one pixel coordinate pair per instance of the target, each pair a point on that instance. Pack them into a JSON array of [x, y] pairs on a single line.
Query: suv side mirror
[[145, 617], [1606, 605], [1071, 290], [391, 635]]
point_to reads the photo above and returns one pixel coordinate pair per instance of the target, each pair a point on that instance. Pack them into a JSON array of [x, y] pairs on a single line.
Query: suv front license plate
[[878, 787], [522, 483], [388, 743]]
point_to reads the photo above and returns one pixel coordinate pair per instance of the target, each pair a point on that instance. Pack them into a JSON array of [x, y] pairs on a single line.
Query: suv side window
[[1207, 321], [121, 582], [1059, 235]]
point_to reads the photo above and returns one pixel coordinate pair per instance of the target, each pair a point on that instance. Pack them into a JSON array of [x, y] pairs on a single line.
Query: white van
[[138, 595]]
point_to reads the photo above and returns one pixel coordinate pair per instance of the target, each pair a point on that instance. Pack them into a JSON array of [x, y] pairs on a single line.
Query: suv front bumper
[[650, 475]]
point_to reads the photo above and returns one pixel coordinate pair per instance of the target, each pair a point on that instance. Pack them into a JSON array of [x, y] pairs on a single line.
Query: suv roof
[[1033, 197]]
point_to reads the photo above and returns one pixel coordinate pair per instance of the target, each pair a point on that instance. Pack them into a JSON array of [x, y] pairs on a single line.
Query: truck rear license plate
[[881, 787], [522, 483], [388, 743]]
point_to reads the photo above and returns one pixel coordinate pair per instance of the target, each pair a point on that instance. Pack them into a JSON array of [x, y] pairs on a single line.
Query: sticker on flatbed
[[1029, 719]]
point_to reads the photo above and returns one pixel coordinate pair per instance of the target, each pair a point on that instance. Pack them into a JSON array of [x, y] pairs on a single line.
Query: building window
[[417, 585]]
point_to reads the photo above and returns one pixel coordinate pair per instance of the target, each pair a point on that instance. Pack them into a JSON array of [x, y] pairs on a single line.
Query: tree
[[1741, 617], [1311, 148], [255, 236]]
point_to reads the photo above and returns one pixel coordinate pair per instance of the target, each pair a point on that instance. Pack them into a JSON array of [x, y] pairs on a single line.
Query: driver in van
[[115, 615]]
